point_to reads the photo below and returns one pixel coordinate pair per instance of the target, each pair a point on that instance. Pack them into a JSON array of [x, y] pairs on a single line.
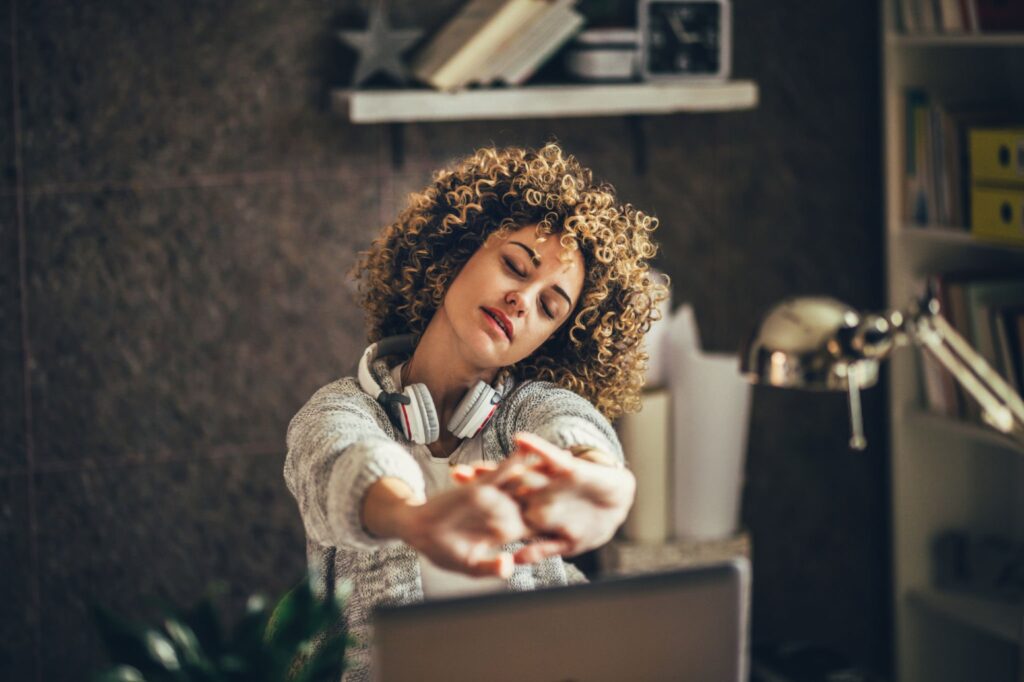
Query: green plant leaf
[[202, 620], [247, 640], [142, 648], [121, 673], [326, 663], [293, 617]]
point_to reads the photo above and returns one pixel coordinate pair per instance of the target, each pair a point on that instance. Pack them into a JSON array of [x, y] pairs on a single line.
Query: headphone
[[412, 410]]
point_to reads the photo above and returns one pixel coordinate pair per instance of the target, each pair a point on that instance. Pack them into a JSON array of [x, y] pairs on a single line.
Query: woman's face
[[511, 296]]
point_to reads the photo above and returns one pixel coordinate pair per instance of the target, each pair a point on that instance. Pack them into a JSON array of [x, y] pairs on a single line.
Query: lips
[[502, 320]]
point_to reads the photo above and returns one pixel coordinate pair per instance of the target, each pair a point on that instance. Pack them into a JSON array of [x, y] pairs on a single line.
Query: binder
[[997, 214], [997, 155]]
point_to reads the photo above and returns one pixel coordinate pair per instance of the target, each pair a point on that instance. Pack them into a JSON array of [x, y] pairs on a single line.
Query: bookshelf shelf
[[994, 618], [955, 236], [958, 428], [543, 101], [963, 40]]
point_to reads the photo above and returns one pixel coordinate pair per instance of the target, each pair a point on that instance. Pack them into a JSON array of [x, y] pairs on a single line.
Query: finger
[[531, 482], [509, 470], [551, 456], [500, 565], [540, 550], [467, 472]]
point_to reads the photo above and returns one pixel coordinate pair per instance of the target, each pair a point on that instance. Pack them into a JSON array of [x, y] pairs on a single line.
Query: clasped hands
[[558, 503]]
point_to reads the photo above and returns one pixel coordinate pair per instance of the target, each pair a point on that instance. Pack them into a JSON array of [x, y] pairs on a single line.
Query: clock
[[685, 40]]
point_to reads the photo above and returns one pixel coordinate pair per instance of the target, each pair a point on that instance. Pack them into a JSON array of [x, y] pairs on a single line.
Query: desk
[[621, 557]]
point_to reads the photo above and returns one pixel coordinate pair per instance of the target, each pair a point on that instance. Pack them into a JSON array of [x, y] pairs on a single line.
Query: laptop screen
[[689, 624]]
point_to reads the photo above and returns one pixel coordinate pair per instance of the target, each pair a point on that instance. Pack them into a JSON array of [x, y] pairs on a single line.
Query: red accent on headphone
[[408, 428], [486, 419]]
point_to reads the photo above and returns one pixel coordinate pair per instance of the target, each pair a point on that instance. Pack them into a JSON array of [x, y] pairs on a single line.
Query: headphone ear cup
[[474, 411], [422, 416]]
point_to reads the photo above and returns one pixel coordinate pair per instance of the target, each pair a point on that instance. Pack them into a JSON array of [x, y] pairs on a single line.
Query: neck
[[437, 363]]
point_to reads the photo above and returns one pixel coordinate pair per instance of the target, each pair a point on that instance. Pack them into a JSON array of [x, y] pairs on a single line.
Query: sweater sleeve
[[563, 418], [337, 448]]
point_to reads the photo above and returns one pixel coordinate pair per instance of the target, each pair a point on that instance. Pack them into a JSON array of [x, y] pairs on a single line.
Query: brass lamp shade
[[814, 343]]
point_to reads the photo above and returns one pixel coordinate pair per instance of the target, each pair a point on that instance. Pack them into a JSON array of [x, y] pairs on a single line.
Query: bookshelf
[[945, 473], [543, 101]]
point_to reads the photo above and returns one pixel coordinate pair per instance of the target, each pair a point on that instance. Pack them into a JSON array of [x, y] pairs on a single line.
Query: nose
[[515, 300]]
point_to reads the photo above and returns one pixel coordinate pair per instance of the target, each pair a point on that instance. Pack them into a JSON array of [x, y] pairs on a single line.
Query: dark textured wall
[[177, 210]]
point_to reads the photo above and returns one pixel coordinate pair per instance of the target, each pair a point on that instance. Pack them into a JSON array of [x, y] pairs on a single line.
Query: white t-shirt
[[438, 582]]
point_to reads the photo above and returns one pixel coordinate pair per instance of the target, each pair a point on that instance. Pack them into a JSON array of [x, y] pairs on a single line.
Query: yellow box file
[[997, 214], [997, 155]]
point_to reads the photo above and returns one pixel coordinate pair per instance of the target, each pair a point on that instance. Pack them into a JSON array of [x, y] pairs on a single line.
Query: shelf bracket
[[638, 136], [396, 135]]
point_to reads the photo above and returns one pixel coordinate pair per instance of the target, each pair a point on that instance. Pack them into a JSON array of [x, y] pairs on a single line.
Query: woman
[[508, 303]]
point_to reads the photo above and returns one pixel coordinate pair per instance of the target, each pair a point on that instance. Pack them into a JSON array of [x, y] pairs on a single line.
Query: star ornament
[[380, 47]]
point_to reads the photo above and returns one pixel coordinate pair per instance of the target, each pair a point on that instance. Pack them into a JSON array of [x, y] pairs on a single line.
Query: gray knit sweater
[[342, 441]]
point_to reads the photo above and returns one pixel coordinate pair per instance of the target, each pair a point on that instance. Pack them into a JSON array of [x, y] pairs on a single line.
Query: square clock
[[686, 40]]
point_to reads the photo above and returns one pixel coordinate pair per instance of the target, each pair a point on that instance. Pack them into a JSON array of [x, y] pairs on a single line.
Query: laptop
[[689, 624]]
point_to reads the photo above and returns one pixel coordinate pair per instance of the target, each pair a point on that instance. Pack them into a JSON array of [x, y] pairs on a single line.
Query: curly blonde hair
[[597, 353]]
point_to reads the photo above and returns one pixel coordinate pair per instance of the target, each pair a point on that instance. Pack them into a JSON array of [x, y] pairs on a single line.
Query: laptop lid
[[690, 624]]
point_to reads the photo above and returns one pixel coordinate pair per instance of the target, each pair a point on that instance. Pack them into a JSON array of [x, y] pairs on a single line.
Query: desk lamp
[[819, 343]]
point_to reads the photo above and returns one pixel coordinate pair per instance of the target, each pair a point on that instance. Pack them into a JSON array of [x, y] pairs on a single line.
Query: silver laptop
[[690, 624]]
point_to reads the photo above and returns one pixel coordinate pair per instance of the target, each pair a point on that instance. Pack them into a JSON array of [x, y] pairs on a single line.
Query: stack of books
[[496, 41], [942, 156], [958, 16], [987, 309]]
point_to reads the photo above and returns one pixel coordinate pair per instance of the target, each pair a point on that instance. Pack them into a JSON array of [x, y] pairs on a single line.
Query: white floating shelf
[[543, 101], [956, 40], [994, 618], [978, 433]]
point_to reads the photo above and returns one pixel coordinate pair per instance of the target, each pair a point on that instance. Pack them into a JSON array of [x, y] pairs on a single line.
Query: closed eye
[[547, 312], [512, 266]]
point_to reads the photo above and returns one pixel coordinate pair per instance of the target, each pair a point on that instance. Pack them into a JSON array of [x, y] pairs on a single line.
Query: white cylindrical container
[[710, 419], [646, 441]]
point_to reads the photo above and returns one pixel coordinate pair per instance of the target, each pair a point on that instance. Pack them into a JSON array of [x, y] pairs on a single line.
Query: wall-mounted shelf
[[543, 101], [999, 620]]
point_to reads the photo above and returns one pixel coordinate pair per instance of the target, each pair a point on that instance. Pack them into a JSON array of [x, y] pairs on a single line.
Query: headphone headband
[[412, 410]]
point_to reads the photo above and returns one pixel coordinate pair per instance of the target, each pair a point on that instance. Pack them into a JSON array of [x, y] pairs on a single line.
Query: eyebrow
[[535, 259]]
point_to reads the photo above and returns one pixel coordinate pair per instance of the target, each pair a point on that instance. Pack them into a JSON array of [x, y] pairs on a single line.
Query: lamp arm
[[1001, 406]]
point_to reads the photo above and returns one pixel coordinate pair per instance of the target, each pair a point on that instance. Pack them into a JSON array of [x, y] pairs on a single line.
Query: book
[[972, 15], [1017, 325], [512, 48], [1005, 333], [1000, 15], [951, 19], [915, 194], [458, 53], [984, 299], [536, 51]]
